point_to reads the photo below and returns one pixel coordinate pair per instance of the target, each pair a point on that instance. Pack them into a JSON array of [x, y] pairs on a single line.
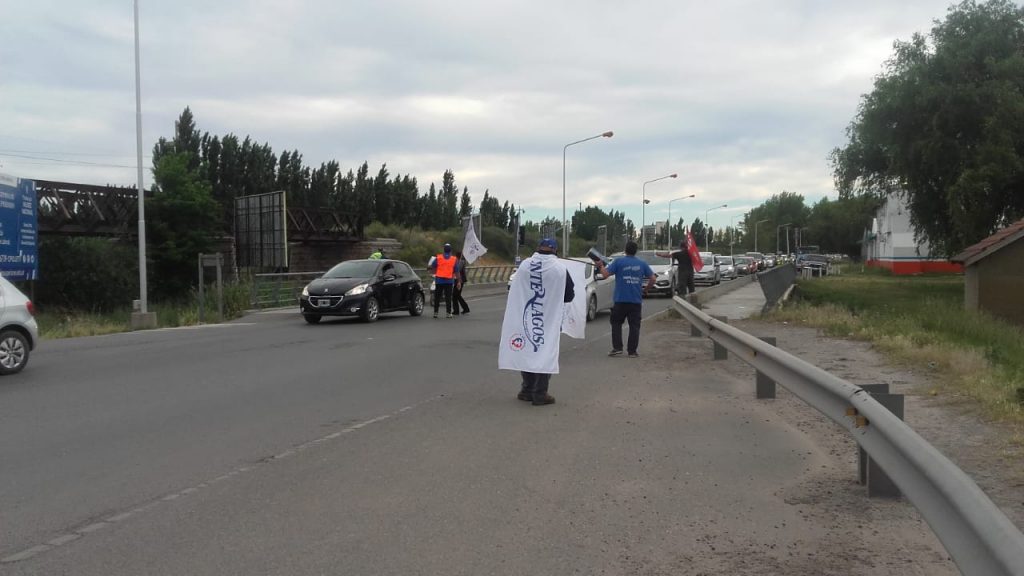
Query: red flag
[[691, 247]]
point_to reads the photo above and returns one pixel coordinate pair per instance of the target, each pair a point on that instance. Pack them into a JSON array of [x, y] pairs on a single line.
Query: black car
[[364, 288]]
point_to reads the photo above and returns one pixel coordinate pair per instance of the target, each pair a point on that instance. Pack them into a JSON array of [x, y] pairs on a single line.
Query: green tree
[[944, 126], [183, 221]]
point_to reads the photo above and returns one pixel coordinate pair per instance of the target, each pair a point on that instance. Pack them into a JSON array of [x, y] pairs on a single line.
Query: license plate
[[324, 302]]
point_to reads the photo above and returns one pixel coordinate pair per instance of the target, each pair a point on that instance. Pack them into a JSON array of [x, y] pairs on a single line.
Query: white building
[[890, 243]]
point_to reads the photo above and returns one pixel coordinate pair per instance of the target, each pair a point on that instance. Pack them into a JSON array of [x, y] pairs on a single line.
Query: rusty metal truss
[[87, 210], [320, 225]]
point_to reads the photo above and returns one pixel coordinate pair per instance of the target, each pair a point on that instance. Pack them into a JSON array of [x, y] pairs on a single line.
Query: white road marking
[[81, 532]]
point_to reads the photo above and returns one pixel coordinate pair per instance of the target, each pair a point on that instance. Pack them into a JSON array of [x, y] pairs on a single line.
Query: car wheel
[[592, 308], [13, 352], [371, 310], [416, 307], [312, 318]]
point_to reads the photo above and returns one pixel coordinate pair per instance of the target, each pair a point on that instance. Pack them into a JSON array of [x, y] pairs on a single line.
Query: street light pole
[[144, 319], [565, 225], [643, 207], [670, 216], [519, 224], [707, 237], [756, 224], [777, 228]]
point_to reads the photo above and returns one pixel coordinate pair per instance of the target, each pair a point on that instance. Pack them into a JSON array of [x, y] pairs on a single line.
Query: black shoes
[[525, 397], [634, 355], [615, 353], [544, 400]]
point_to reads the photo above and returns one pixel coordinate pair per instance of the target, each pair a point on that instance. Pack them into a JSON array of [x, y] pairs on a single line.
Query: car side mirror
[[389, 277]]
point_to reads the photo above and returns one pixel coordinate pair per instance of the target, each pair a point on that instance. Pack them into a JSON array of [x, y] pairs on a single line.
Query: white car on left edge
[[19, 332]]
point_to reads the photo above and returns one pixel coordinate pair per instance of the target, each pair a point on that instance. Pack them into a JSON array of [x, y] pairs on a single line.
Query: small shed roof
[[990, 245]]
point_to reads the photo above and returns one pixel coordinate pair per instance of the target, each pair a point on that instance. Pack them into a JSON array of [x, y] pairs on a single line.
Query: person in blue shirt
[[630, 273]]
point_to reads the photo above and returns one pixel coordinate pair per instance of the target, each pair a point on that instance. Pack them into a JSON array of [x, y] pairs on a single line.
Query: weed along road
[[269, 446]]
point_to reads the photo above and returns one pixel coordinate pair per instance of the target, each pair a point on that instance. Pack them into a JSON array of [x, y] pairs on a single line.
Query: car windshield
[[743, 260], [354, 269], [726, 260], [652, 258], [707, 259], [815, 258]]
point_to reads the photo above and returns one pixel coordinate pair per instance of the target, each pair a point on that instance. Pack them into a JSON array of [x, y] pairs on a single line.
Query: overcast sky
[[742, 99]]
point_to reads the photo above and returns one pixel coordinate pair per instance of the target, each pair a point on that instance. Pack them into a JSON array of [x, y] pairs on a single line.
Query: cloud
[[743, 99]]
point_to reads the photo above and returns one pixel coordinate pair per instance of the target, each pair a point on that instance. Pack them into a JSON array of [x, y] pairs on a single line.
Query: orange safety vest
[[445, 266]]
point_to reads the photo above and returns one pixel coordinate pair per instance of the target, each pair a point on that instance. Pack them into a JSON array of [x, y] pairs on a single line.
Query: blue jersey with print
[[631, 274]]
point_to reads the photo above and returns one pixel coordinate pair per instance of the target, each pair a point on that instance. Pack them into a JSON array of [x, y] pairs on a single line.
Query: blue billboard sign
[[19, 236]]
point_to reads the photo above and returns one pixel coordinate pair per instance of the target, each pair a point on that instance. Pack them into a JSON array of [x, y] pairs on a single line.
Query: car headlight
[[362, 288], [305, 290]]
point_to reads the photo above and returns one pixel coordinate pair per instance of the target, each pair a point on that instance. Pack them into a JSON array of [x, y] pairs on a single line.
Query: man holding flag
[[687, 259]]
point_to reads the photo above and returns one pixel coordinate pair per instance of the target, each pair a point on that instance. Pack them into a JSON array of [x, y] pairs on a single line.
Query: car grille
[[325, 301]]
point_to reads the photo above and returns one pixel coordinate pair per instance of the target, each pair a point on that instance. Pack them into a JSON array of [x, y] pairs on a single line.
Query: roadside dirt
[[863, 536]]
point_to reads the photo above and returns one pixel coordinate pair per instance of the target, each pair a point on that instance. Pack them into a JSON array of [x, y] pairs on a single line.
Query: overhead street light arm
[[670, 216], [643, 208], [565, 223]]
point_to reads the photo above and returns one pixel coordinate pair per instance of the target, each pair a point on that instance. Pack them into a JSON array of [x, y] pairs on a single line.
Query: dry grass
[[920, 323]]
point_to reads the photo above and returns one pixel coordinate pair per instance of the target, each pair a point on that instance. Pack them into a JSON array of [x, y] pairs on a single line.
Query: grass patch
[[920, 321], [66, 323]]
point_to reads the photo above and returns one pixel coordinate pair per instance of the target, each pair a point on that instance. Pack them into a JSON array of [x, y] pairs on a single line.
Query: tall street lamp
[[670, 216], [756, 224], [732, 230], [777, 228], [141, 319], [519, 224], [643, 207], [707, 237], [565, 225]]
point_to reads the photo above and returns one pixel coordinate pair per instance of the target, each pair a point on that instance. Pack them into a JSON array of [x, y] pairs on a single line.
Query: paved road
[[267, 446]]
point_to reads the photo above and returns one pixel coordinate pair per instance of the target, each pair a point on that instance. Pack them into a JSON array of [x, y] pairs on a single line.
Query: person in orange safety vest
[[445, 267]]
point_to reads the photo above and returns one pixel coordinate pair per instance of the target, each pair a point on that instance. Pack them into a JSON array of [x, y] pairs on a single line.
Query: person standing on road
[[630, 273], [531, 329], [458, 302], [684, 268], [443, 265]]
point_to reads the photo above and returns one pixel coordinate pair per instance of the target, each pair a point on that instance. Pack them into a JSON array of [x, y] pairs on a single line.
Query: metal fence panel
[[775, 282]]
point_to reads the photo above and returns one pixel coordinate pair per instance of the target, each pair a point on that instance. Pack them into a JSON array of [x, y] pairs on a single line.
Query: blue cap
[[548, 243]]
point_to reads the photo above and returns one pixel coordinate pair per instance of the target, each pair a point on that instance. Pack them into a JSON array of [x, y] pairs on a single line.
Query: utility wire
[[60, 161]]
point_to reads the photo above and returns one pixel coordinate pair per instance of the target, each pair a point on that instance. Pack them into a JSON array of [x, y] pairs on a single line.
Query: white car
[[726, 268], [662, 268], [710, 272], [19, 332], [600, 290]]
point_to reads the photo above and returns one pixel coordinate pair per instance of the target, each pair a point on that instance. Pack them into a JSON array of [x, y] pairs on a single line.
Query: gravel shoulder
[[875, 536]]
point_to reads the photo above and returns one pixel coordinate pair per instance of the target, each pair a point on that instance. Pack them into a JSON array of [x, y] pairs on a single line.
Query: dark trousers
[[458, 302], [535, 383], [625, 311], [684, 284], [443, 291]]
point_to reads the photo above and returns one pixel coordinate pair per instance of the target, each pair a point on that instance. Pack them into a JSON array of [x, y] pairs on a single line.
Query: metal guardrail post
[[862, 456], [765, 386], [720, 352], [879, 483]]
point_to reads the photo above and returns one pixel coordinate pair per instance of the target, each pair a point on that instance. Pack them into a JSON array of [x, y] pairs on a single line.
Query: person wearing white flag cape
[[531, 330]]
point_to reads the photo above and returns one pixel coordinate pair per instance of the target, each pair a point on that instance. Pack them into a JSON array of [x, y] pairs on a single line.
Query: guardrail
[[270, 290], [476, 274], [978, 536]]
